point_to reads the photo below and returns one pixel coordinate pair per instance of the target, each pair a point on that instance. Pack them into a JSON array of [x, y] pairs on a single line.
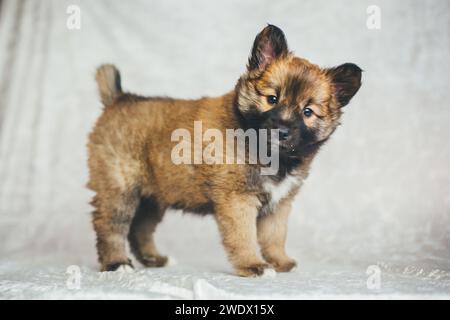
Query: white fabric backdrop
[[385, 173]]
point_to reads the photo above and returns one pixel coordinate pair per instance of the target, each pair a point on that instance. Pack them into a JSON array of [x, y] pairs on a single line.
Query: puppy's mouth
[[293, 145], [286, 144], [288, 147]]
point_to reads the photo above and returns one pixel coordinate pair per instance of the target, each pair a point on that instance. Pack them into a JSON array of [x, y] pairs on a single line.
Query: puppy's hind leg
[[112, 218], [141, 235]]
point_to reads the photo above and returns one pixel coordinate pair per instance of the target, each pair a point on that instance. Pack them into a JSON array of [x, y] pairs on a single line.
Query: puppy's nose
[[284, 133]]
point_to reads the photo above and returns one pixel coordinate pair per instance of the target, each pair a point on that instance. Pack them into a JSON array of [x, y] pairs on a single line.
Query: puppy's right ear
[[270, 44], [346, 80]]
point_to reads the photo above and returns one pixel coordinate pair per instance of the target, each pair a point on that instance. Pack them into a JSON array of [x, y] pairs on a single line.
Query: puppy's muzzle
[[284, 133]]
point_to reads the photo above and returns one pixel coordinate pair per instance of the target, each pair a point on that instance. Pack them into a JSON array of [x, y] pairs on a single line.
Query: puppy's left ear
[[346, 80], [269, 45]]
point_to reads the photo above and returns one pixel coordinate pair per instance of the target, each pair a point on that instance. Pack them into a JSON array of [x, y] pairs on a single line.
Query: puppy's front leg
[[236, 217], [272, 231]]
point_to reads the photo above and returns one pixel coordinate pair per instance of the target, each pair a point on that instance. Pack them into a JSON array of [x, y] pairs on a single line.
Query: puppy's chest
[[273, 191]]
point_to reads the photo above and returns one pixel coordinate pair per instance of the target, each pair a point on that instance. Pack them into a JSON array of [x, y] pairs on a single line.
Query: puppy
[[136, 179]]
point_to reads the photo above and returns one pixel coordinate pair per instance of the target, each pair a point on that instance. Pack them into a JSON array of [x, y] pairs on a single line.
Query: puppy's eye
[[272, 99], [307, 112]]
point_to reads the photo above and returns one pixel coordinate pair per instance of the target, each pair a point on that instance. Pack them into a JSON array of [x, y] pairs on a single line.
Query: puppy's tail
[[108, 81]]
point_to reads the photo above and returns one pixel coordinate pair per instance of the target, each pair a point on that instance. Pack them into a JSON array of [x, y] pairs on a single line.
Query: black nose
[[284, 133]]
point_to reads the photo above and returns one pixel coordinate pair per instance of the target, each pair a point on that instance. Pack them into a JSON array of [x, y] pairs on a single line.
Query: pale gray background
[[378, 193]]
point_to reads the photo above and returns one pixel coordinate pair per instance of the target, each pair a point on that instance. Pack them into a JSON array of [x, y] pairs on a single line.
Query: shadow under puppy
[[136, 180]]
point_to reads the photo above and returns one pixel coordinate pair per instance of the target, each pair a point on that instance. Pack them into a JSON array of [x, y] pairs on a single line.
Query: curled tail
[[108, 81]]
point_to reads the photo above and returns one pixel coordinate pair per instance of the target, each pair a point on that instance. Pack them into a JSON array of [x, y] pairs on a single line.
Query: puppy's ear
[[269, 45], [346, 80]]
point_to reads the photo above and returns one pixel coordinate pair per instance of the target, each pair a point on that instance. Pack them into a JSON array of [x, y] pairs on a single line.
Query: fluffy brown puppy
[[136, 179]]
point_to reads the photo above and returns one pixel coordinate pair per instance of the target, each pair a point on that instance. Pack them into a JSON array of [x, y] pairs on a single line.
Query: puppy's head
[[282, 91]]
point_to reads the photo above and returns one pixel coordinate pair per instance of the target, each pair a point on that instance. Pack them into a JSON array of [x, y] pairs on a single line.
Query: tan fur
[[108, 78], [272, 232], [135, 180]]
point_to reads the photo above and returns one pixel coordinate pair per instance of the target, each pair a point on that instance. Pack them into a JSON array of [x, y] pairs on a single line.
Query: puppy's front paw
[[154, 261], [256, 270], [285, 265]]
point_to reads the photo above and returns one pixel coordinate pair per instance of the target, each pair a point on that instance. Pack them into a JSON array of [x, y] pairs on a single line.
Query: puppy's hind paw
[[256, 270]]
